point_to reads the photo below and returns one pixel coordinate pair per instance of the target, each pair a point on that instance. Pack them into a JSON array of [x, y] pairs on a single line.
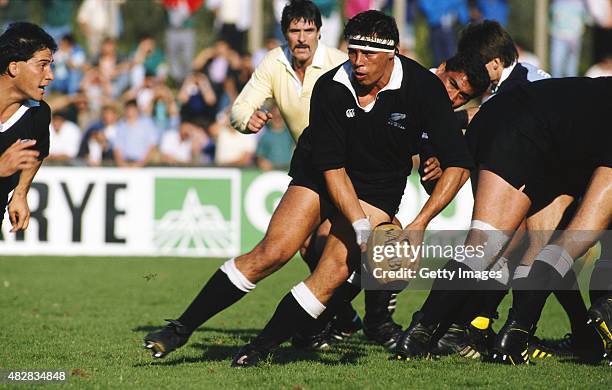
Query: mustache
[[302, 47]]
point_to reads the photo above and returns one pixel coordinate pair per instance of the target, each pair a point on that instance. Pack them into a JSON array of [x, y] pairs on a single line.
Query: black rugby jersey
[[30, 121], [572, 119], [376, 146]]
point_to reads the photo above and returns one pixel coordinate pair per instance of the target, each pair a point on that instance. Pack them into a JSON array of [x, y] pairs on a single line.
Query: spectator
[[269, 44], [147, 59], [526, 56], [238, 78], [136, 142], [443, 18], [232, 147], [353, 7], [69, 63], [182, 146], [57, 17], [234, 18], [114, 69], [497, 10], [331, 20], [217, 62], [180, 36], [566, 29], [12, 11], [163, 108], [275, 147], [64, 138], [95, 90], [601, 69], [601, 11], [99, 19], [198, 99], [96, 144]]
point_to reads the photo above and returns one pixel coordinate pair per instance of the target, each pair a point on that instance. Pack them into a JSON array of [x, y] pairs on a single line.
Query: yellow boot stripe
[[481, 323]]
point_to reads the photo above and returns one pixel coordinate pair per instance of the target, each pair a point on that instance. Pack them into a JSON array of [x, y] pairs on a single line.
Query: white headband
[[371, 44]]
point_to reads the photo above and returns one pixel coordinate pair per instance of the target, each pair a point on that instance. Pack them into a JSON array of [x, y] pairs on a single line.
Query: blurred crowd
[[167, 102]]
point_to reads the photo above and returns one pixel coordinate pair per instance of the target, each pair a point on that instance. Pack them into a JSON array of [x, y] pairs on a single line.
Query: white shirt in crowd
[[172, 145], [66, 140]]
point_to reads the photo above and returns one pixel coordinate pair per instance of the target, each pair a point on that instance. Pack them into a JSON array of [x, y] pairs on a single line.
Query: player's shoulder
[[39, 109]]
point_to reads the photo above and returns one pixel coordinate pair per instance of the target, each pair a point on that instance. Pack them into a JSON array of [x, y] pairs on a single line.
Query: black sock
[[377, 307], [447, 296], [338, 302], [530, 293], [491, 302], [216, 295], [569, 297], [288, 318], [472, 307]]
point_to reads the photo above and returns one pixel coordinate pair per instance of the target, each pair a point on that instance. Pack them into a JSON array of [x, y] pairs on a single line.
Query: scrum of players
[[536, 149]]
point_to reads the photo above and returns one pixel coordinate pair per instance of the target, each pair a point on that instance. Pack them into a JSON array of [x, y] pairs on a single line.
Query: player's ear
[[441, 67], [13, 68]]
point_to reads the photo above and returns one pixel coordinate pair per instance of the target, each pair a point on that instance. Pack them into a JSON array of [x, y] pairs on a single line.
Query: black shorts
[[498, 145], [304, 174]]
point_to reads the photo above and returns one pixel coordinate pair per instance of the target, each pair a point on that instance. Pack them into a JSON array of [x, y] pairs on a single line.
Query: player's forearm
[[25, 180], [447, 187], [343, 195]]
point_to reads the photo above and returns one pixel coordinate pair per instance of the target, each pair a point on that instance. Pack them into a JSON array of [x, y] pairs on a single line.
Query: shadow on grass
[[215, 349]]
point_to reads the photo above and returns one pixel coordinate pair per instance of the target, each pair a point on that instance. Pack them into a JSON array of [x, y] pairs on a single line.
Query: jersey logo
[[424, 135], [350, 113], [395, 118]]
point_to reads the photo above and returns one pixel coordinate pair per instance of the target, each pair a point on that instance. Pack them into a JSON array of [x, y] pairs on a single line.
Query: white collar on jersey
[[504, 75], [345, 73], [25, 106]]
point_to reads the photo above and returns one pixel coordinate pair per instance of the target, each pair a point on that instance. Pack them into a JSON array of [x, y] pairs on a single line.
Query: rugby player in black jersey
[[26, 54], [568, 139], [470, 334], [352, 162], [463, 78]]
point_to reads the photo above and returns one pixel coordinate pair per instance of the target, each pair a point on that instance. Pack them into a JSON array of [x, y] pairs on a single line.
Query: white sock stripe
[[502, 265], [236, 277], [480, 225], [307, 300], [521, 271], [557, 257], [496, 239]]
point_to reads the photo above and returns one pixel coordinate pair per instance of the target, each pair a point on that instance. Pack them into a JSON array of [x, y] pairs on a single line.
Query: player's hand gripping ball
[[385, 265]]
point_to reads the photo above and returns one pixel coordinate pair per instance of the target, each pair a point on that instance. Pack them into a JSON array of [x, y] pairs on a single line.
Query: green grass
[[88, 316]]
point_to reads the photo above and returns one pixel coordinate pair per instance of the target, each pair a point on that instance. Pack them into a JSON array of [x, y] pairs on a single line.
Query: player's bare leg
[[297, 214], [556, 259], [499, 209], [300, 308]]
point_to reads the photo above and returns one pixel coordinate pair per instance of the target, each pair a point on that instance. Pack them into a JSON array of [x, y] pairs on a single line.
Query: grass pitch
[[87, 316]]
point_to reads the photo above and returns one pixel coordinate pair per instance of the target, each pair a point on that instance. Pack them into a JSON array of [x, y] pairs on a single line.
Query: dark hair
[[489, 40], [69, 38], [298, 10], [20, 41], [474, 69], [131, 102], [373, 24]]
